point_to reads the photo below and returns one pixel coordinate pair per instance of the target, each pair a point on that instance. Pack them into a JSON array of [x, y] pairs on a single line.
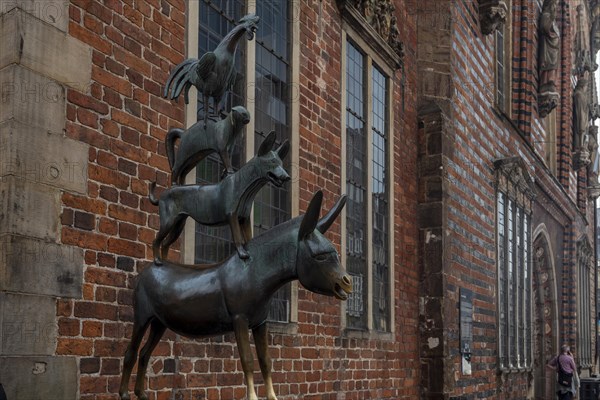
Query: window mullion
[[511, 282], [368, 101]]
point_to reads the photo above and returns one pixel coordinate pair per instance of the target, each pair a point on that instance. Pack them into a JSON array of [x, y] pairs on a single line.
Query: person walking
[[567, 378]]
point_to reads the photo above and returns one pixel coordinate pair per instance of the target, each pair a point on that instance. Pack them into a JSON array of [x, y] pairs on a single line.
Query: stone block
[[37, 378], [35, 266], [29, 209], [53, 12], [32, 43], [43, 157], [28, 324], [31, 99]]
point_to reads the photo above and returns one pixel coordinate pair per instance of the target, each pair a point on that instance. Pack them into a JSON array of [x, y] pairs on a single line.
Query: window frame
[[551, 138], [373, 59], [515, 187], [585, 258], [189, 234], [506, 31]]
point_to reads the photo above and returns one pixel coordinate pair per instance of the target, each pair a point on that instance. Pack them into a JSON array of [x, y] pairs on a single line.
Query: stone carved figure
[[593, 167], [581, 111], [214, 72], [210, 300], [549, 46], [227, 202], [380, 15], [199, 142], [549, 58], [492, 14]]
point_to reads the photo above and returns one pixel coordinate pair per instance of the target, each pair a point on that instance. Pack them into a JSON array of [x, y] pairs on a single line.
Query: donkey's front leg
[[242, 337], [236, 233], [261, 335]]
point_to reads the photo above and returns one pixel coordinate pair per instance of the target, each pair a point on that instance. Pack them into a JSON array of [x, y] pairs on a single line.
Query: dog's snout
[[282, 174]]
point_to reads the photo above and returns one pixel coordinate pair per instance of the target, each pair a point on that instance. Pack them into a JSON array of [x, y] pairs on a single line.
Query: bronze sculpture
[[235, 294], [227, 202], [199, 141], [209, 300], [214, 72]]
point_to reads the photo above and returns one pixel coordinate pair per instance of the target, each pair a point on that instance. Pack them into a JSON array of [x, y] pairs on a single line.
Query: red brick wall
[[124, 120], [476, 134]]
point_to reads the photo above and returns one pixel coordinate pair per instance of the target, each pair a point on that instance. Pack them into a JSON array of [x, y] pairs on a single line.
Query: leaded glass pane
[[380, 234], [512, 345], [356, 217], [502, 282], [518, 318], [500, 98], [528, 295]]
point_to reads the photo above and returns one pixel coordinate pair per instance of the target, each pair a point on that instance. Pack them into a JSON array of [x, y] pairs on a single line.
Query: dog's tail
[[170, 139], [151, 196]]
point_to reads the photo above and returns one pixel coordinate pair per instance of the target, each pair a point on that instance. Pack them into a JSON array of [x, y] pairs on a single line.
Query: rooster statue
[[214, 73]]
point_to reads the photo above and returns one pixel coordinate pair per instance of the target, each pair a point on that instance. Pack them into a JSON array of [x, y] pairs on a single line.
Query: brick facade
[[97, 68], [462, 133]]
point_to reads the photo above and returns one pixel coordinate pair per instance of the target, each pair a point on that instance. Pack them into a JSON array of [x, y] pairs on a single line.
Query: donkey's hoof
[[141, 396], [157, 261], [124, 396]]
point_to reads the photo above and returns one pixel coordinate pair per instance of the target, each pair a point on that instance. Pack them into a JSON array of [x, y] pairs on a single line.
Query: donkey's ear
[[325, 223], [283, 149], [267, 144], [309, 222]]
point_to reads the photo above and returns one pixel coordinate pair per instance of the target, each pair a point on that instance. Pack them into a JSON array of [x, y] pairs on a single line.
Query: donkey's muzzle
[[343, 288]]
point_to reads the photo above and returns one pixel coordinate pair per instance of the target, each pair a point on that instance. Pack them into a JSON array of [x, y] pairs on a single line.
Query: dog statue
[[227, 202], [201, 140]]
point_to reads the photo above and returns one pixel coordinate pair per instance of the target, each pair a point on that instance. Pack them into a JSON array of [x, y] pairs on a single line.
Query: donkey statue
[[234, 295]]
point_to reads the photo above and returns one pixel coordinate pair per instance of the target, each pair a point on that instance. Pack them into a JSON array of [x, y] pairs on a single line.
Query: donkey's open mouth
[[342, 291]]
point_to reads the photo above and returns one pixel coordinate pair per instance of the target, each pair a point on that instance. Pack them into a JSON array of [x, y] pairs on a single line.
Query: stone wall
[[39, 63]]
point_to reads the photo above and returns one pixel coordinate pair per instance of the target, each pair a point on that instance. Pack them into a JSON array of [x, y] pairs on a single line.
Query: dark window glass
[[500, 68], [585, 317], [380, 206], [272, 113], [356, 186], [502, 299], [217, 18], [514, 284]]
